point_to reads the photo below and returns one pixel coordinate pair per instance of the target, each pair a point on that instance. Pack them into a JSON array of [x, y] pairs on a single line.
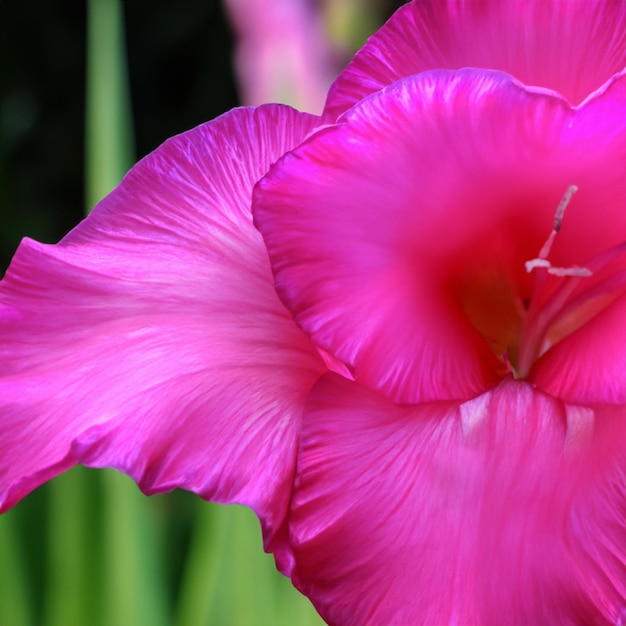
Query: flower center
[[561, 300]]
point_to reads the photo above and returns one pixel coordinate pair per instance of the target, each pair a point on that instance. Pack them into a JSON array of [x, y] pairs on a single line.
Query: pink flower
[[282, 53], [397, 334]]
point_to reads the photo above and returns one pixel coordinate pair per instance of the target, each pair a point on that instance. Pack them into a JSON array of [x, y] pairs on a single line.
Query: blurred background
[[86, 89]]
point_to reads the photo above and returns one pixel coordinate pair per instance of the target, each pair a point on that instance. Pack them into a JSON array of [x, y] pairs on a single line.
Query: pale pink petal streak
[[501, 510], [151, 338], [569, 46]]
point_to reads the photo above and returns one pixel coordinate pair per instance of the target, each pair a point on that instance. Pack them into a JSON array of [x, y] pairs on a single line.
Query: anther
[[560, 210]]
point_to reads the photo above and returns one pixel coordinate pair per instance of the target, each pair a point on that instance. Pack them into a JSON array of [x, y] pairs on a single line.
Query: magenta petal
[[589, 365], [569, 46], [507, 509], [151, 338], [361, 268], [419, 189]]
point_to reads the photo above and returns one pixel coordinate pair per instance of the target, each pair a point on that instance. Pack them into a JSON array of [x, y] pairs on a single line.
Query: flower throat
[[562, 300]]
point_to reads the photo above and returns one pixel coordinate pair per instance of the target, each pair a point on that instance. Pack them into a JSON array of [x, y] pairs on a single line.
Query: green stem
[[109, 143], [201, 570], [70, 579], [15, 592], [134, 590], [229, 580]]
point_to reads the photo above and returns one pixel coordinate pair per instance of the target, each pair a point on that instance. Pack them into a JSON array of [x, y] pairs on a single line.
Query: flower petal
[[421, 189], [507, 509], [589, 365], [568, 46], [151, 338]]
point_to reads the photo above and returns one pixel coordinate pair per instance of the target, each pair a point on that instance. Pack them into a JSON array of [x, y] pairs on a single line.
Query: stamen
[[542, 259], [537, 320], [572, 304]]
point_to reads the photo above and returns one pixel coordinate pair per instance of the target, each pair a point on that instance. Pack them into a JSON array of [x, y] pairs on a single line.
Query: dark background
[[179, 59]]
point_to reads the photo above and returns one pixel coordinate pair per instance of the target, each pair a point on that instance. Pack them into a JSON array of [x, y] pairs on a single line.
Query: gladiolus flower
[[396, 332]]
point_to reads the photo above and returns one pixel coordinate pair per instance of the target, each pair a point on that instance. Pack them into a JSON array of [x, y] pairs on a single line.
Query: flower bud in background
[[282, 54], [290, 51]]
